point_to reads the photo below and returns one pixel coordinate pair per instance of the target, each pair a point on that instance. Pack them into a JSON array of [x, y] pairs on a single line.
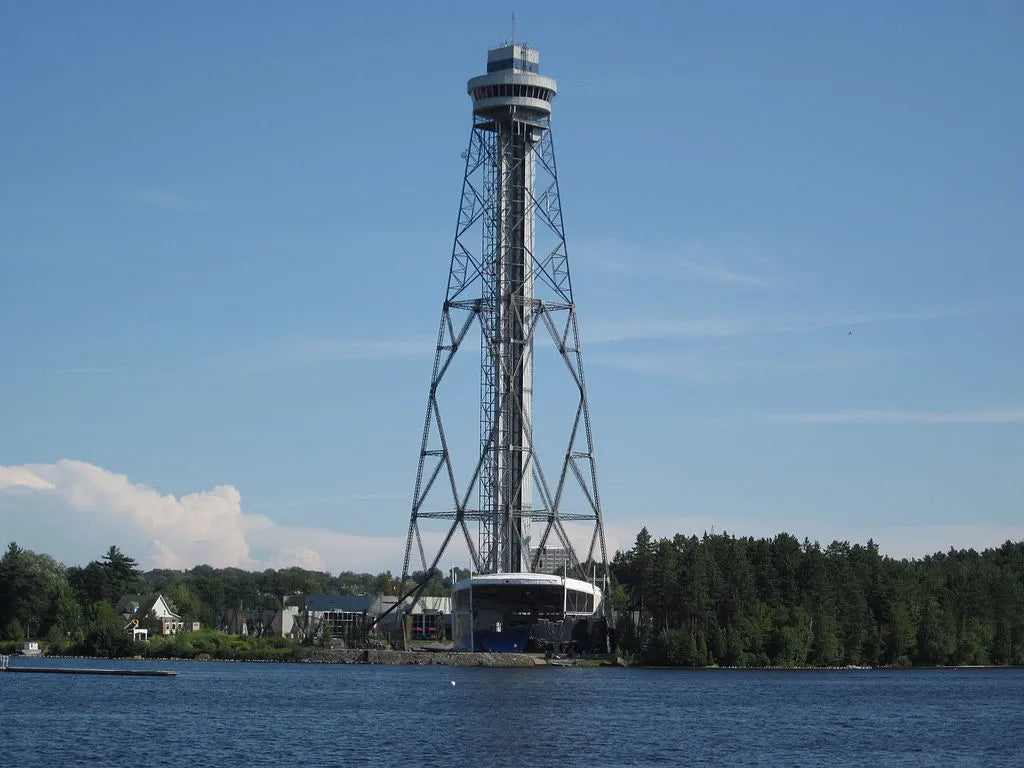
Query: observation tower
[[510, 302]]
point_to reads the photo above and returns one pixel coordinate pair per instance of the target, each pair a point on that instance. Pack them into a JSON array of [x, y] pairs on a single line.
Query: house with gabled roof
[[153, 607]]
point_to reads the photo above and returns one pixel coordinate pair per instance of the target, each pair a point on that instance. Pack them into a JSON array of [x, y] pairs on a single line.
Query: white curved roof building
[[502, 612]]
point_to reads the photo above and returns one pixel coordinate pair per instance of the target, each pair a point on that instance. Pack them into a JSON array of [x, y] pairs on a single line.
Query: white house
[[154, 607]]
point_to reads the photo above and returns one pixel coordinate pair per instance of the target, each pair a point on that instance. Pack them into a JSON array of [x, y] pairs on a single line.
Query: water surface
[[220, 713]]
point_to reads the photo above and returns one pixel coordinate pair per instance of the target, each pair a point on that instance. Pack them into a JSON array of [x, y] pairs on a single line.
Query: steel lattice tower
[[509, 280]]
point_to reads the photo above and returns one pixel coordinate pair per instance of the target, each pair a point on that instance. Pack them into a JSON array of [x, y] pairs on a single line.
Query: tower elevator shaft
[[507, 358]]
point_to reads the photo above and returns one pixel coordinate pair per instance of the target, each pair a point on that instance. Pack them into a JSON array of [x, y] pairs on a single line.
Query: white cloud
[[165, 531], [87, 503], [20, 477]]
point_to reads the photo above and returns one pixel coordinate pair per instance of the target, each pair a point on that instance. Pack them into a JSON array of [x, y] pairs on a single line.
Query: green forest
[[72, 609], [684, 601], [728, 601]]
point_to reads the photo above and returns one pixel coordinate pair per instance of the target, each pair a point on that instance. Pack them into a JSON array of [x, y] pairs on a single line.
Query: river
[[250, 714]]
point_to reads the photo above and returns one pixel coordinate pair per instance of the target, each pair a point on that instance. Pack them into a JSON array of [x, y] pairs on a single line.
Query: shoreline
[[484, 659], [351, 656]]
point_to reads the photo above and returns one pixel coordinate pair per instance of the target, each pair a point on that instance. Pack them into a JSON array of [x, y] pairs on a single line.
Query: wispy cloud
[[347, 497], [694, 261], [997, 416], [320, 350], [718, 366], [719, 273], [299, 352], [95, 370], [167, 201], [678, 366], [631, 329]]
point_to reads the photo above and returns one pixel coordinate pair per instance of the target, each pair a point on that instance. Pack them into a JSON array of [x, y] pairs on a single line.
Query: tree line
[[728, 601], [73, 608], [686, 600]]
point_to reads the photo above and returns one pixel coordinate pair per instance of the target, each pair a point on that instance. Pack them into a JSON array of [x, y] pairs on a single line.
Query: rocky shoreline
[[447, 658]]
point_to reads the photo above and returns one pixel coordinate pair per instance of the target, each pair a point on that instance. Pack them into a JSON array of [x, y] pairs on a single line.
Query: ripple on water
[[271, 714]]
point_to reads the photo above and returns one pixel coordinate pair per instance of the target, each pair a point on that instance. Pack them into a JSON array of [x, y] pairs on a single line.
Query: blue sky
[[795, 234]]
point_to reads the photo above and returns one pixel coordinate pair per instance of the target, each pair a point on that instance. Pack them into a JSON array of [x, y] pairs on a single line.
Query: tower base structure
[[527, 612]]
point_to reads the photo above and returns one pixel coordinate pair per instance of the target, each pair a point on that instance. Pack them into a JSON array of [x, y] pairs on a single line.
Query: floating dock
[[72, 671]]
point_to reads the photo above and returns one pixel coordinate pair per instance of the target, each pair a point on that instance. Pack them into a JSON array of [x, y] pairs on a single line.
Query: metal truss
[[510, 183]]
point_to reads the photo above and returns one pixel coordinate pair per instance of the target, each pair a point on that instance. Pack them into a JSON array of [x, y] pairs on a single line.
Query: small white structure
[[138, 634], [30, 648]]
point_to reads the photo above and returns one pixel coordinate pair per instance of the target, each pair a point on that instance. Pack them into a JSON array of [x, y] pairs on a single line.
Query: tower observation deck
[[509, 284]]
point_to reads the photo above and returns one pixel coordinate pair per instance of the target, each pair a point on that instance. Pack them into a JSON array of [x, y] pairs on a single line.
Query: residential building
[[155, 608]]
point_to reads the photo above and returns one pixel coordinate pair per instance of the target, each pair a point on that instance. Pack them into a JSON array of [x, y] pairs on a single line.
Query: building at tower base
[[527, 612]]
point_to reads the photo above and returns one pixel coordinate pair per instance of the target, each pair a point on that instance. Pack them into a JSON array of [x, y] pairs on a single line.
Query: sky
[[794, 231]]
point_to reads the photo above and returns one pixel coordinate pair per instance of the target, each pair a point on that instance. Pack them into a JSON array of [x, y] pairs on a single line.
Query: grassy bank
[[203, 644]]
